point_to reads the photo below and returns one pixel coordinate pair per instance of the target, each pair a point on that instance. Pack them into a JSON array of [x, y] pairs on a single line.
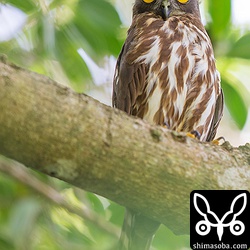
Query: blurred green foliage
[[55, 30], [29, 221], [229, 44], [48, 42]]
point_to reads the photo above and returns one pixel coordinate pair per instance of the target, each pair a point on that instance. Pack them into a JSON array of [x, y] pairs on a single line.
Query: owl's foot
[[165, 125], [218, 140], [194, 134]]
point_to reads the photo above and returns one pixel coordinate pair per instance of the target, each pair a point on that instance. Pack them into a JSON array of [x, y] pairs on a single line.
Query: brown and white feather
[[166, 74]]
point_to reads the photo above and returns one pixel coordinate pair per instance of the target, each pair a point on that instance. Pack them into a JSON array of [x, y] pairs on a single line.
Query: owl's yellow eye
[[148, 1], [182, 1]]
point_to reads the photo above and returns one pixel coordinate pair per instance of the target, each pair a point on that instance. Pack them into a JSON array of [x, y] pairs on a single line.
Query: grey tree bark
[[50, 128]]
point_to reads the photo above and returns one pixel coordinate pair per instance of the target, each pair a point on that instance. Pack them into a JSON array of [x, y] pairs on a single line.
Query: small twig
[[19, 172]]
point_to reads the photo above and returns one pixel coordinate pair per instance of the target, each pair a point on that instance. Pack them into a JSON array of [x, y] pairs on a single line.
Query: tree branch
[[73, 137]]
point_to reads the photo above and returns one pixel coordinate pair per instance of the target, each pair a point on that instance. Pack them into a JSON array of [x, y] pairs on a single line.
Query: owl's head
[[150, 6], [166, 8]]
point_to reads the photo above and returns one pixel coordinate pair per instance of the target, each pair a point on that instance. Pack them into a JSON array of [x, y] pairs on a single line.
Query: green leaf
[[24, 216], [66, 53], [96, 203], [99, 23], [235, 103], [220, 12], [6, 243], [27, 6], [241, 48], [174, 242], [76, 237], [117, 213]]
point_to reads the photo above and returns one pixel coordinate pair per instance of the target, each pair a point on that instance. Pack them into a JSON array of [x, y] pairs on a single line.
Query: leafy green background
[[48, 44]]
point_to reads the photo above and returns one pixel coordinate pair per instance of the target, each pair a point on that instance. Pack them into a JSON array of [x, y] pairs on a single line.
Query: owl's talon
[[194, 134], [165, 125], [218, 140]]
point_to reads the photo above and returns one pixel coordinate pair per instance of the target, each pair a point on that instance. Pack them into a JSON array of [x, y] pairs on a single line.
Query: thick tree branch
[[73, 137]]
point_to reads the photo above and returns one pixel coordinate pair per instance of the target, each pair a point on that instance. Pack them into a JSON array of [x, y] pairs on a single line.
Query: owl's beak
[[173, 8], [167, 6]]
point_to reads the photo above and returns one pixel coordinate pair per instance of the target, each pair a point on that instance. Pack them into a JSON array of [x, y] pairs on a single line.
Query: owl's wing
[[217, 116], [129, 81]]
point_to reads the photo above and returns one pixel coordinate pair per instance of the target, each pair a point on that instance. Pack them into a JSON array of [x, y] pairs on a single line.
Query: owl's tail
[[137, 231]]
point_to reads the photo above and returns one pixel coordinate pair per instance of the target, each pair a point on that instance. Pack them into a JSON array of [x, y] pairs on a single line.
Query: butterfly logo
[[236, 227]]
